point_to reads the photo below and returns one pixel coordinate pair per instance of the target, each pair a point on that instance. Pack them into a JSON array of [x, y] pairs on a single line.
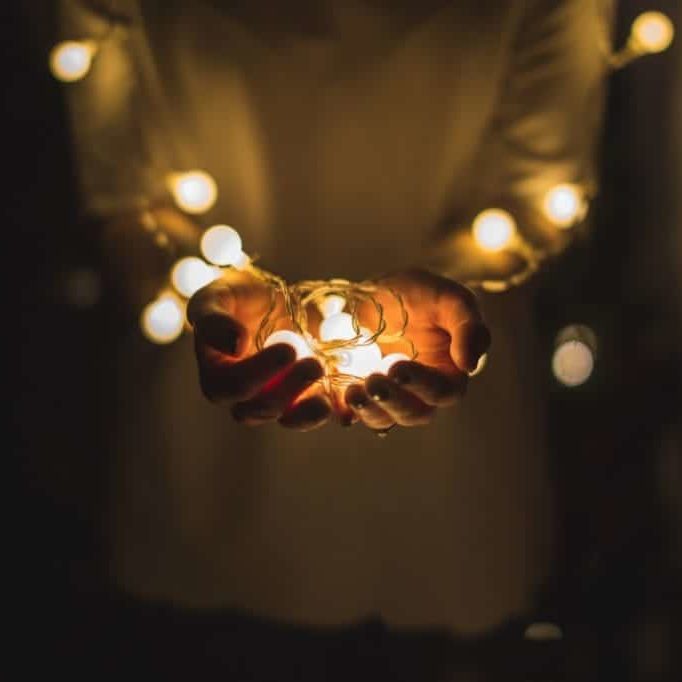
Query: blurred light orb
[[359, 361], [71, 60], [573, 360], [191, 274], [543, 632], [295, 340], [652, 32], [332, 305], [163, 320], [563, 205], [222, 245], [194, 191], [494, 229], [337, 327], [391, 359]]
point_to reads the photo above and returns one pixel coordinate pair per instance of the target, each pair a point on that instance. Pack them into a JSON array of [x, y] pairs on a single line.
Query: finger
[[228, 380], [210, 312], [458, 314], [369, 412], [307, 414], [343, 412], [430, 385], [404, 407], [277, 396]]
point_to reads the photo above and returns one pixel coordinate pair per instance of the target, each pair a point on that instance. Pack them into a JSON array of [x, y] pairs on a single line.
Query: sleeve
[[544, 132]]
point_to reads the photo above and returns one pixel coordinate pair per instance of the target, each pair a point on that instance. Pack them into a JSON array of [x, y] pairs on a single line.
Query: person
[[352, 139]]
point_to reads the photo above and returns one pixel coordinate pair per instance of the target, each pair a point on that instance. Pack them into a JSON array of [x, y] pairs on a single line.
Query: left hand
[[449, 335]]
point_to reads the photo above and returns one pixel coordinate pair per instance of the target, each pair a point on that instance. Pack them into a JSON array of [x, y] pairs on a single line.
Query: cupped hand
[[260, 386], [447, 331]]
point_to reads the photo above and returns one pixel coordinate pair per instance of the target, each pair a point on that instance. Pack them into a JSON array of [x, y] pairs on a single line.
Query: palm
[[423, 296]]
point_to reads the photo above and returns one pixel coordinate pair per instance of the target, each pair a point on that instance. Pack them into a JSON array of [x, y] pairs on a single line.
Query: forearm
[[140, 248]]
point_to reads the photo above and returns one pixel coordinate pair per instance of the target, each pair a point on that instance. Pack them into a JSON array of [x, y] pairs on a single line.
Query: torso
[[337, 153]]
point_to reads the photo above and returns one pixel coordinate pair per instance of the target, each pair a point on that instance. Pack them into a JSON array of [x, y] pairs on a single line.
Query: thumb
[[209, 312], [469, 341], [458, 314]]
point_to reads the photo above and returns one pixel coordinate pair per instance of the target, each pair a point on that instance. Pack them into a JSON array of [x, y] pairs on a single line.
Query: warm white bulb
[[222, 245], [194, 192], [563, 205], [494, 229], [332, 305], [359, 361], [652, 32], [191, 274], [391, 359], [338, 327], [162, 320], [71, 60], [573, 362], [299, 344]]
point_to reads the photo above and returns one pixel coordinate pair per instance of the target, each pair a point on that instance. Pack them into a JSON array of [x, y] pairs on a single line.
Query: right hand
[[261, 387]]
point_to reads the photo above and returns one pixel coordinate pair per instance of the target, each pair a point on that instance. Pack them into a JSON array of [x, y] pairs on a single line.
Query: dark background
[[617, 441]]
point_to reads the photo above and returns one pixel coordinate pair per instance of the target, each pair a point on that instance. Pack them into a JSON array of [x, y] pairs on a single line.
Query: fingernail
[[380, 393], [401, 377], [378, 388]]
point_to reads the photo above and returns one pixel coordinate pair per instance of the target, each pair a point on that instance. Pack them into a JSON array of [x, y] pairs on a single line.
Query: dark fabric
[[117, 636]]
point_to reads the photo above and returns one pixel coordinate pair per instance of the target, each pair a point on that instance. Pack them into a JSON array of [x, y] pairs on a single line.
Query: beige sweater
[[343, 136]]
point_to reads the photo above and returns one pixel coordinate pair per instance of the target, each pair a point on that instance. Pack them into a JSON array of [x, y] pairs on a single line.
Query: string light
[[191, 274], [338, 327], [651, 32], [360, 361], [194, 191], [162, 320], [494, 229], [332, 305], [222, 245], [573, 359], [71, 60], [299, 344], [564, 205], [347, 350], [389, 360]]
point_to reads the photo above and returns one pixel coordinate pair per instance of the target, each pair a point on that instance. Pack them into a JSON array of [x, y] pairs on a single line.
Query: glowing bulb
[[541, 632], [338, 327], [389, 360], [359, 361], [573, 360], [194, 191], [162, 320], [652, 32], [564, 205], [222, 245], [299, 344], [191, 274], [494, 229], [71, 60], [332, 305]]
